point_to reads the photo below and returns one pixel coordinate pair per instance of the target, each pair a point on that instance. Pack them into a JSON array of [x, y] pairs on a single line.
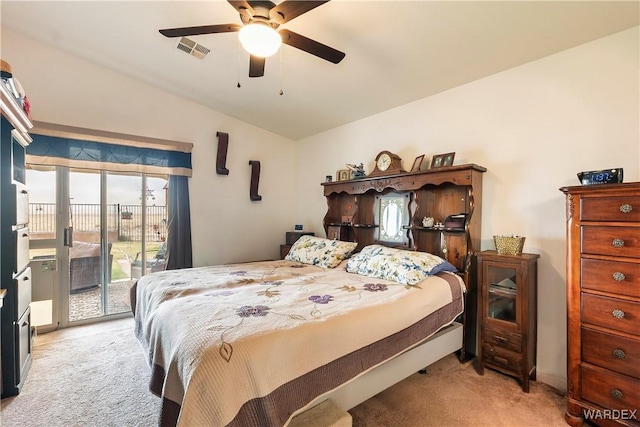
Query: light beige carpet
[[453, 394], [96, 375]]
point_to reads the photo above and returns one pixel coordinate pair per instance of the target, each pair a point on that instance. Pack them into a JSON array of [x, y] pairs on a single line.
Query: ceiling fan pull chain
[[238, 67], [281, 91]]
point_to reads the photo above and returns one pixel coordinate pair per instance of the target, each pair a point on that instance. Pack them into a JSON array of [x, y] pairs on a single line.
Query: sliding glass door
[[103, 231]]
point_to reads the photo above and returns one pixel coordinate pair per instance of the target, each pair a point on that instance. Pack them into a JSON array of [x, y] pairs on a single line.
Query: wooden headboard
[[355, 212]]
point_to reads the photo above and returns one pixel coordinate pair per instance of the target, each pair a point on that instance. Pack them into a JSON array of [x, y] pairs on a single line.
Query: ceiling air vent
[[192, 48]]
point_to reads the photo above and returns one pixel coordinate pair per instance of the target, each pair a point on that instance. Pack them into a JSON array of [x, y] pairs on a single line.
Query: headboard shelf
[[353, 210]]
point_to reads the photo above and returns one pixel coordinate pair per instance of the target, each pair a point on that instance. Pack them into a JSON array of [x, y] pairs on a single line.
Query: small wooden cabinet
[[603, 304], [507, 314]]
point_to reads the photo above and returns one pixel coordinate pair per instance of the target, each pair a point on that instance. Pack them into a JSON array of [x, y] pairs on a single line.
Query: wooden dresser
[[603, 304]]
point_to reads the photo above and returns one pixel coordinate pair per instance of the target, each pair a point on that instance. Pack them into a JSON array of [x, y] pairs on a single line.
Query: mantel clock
[[387, 163]]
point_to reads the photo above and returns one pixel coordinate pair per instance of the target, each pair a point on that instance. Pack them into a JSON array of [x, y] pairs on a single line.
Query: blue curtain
[[179, 226], [54, 150]]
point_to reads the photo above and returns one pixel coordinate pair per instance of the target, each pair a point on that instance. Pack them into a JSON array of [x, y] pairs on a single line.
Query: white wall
[[533, 127], [226, 225]]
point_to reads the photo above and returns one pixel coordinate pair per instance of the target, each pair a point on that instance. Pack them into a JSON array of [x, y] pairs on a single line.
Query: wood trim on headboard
[[457, 175]]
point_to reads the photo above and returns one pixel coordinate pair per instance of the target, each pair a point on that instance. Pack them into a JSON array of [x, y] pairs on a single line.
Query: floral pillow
[[319, 251], [398, 265]]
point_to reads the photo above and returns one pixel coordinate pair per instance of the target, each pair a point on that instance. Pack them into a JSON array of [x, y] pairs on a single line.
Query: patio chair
[[84, 266], [155, 263]]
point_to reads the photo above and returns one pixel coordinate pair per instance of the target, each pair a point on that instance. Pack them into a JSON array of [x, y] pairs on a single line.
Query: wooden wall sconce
[[255, 179], [221, 159]]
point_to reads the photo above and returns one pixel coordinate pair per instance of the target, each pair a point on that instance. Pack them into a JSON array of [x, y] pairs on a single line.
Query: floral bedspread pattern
[[227, 334]]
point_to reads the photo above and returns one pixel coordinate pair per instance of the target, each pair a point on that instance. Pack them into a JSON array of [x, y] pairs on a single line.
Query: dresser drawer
[[501, 338], [626, 208], [23, 285], [22, 249], [610, 351], [609, 389], [611, 276], [502, 358], [614, 241], [611, 313], [22, 335], [22, 204]]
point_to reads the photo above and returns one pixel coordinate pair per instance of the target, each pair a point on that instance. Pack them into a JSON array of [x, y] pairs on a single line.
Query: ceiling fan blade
[[203, 29], [289, 9], [311, 46], [256, 66], [244, 9]]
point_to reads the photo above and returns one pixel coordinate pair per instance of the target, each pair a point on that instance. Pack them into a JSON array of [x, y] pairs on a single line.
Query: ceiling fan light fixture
[[260, 39]]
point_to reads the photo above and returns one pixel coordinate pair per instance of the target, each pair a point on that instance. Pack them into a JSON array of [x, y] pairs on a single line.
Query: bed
[[257, 343]]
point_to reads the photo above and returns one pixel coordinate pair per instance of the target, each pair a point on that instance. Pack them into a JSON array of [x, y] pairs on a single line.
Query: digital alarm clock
[[604, 176]]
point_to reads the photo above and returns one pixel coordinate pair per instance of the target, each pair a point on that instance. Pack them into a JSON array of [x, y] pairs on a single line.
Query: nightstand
[[507, 314], [284, 250]]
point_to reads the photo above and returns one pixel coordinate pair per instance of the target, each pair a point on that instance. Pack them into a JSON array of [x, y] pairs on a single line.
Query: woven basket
[[508, 245]]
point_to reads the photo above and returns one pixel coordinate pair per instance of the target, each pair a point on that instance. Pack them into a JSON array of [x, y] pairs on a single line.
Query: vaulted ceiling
[[396, 51]]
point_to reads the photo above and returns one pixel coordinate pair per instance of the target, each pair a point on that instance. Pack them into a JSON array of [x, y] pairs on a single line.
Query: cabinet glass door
[[501, 293]]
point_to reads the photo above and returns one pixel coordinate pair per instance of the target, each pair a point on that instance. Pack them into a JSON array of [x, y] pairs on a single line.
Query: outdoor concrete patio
[[87, 304]]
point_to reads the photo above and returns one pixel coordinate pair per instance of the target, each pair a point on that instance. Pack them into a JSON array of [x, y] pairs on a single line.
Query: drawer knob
[[617, 313], [618, 276], [499, 338], [618, 243], [618, 353], [616, 394], [626, 208]]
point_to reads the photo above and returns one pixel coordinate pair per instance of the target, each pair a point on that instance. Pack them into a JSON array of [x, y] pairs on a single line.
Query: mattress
[[249, 344]]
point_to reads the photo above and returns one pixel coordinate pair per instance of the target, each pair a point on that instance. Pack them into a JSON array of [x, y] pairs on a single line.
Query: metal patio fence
[[123, 220]]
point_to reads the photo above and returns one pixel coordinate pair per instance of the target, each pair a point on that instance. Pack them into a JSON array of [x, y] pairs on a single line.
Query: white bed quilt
[[227, 334]]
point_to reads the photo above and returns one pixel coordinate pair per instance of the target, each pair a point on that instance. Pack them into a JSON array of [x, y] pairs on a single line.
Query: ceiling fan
[[258, 35]]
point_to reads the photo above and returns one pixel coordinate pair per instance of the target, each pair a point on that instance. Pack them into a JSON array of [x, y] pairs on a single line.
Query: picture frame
[[343, 175], [417, 163], [442, 160], [448, 159], [436, 161]]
